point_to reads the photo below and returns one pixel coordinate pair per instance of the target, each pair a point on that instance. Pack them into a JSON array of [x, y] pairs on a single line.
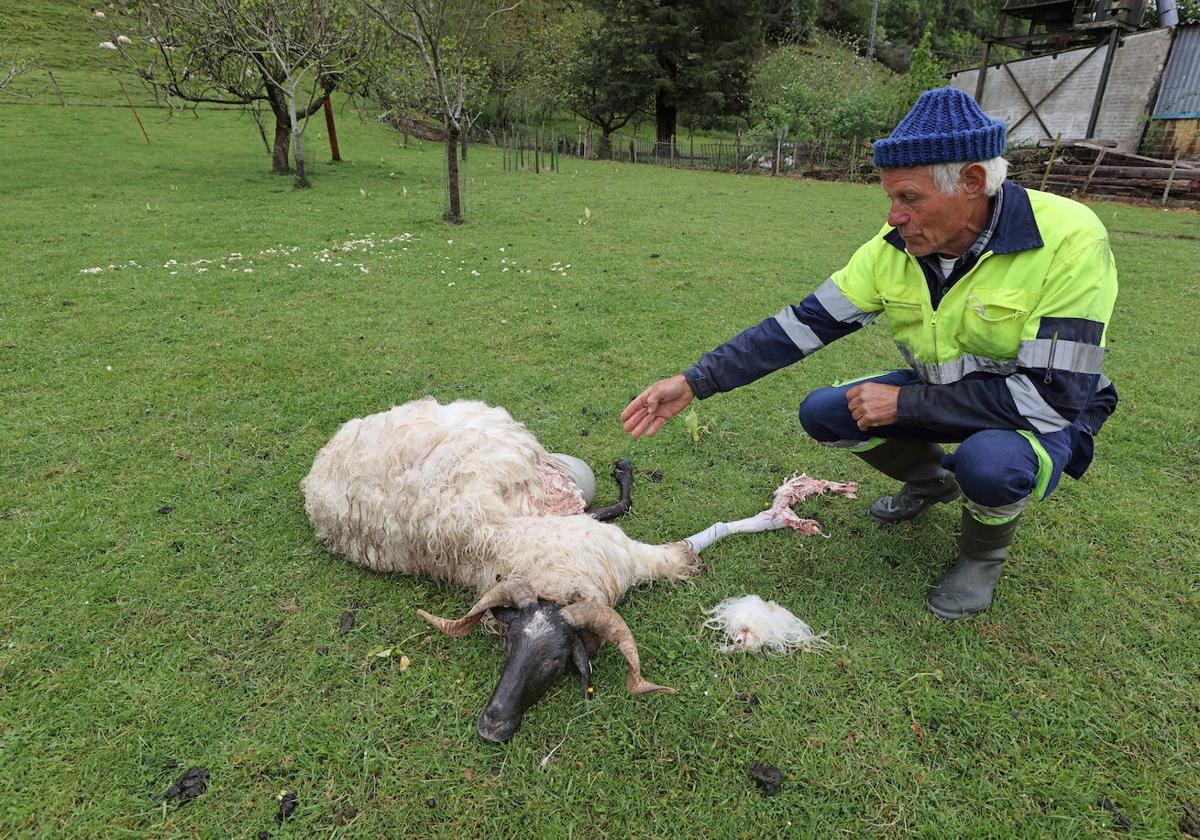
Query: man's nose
[[897, 217]]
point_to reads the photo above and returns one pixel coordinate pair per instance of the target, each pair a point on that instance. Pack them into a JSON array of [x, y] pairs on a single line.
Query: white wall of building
[[1128, 97]]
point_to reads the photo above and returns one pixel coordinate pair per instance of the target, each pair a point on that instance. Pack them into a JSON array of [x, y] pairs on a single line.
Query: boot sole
[[945, 616], [881, 521]]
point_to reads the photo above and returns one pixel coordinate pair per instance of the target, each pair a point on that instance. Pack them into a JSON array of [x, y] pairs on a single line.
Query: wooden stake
[[135, 113], [57, 90], [1050, 162], [1170, 178], [1092, 172]]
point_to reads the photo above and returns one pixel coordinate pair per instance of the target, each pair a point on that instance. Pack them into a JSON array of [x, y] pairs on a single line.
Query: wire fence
[[531, 148]]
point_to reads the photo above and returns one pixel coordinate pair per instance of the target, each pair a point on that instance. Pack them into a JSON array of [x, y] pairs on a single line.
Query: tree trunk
[[283, 142], [604, 152], [454, 213], [665, 115], [298, 140], [333, 144], [463, 139]]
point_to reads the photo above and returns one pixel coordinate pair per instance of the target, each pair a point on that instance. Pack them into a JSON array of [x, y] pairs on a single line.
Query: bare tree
[[12, 65], [288, 54], [448, 35]]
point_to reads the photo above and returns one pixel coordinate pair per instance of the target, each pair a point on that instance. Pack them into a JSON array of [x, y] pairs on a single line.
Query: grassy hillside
[[180, 332]]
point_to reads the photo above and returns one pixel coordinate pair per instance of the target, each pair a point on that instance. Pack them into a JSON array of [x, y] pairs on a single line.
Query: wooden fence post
[[57, 90], [1088, 181], [1171, 177], [135, 113], [1050, 162]]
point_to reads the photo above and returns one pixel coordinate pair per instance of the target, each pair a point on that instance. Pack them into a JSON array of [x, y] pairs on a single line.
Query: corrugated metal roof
[[1179, 95]]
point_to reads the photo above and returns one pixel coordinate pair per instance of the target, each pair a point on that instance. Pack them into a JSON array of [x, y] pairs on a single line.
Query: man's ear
[[973, 178]]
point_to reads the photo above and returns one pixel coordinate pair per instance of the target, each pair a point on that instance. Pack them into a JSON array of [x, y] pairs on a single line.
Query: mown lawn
[[165, 605]]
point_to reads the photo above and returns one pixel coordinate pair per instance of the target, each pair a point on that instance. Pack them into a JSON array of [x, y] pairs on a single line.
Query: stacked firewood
[[1095, 168]]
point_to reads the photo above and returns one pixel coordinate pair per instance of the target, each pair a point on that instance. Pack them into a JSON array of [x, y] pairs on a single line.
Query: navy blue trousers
[[994, 467]]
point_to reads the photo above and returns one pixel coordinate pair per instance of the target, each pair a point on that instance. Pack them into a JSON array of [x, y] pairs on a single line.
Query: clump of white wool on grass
[[751, 624]]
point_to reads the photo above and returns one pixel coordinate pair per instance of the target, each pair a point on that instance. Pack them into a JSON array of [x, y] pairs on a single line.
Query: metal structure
[[1052, 26]]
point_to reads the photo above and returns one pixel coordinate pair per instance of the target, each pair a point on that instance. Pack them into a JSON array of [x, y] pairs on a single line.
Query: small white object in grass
[[107, 45], [123, 39], [751, 624]]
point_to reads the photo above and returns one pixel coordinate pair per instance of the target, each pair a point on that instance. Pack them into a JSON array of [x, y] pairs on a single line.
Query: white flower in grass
[[96, 13], [95, 270], [107, 45], [474, 273], [123, 39]]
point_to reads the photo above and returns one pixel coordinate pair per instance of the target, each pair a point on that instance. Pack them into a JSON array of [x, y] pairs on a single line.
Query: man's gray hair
[[948, 176]]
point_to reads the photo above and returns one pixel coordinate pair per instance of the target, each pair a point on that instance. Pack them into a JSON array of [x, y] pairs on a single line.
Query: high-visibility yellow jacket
[[1015, 342]]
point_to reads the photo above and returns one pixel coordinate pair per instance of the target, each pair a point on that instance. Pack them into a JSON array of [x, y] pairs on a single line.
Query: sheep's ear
[[505, 615], [580, 654]]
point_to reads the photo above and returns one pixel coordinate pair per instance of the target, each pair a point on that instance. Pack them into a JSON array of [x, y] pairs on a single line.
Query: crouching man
[[998, 299]]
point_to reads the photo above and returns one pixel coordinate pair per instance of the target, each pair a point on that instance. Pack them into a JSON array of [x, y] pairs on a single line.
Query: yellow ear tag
[[591, 690]]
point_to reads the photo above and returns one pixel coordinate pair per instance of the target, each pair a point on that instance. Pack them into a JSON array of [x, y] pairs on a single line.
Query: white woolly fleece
[[750, 624], [464, 494]]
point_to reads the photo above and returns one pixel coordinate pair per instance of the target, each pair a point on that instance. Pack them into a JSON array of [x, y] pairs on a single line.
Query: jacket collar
[[1016, 230]]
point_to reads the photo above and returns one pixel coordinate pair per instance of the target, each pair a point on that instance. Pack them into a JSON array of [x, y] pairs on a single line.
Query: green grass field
[[166, 606]]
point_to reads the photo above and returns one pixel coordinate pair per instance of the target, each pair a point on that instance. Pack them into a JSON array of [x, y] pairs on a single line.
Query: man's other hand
[[656, 405], [873, 404]]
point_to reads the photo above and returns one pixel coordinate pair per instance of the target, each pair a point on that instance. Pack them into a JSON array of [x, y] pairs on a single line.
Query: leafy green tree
[[699, 51], [530, 56], [925, 72], [823, 90], [789, 21], [610, 76]]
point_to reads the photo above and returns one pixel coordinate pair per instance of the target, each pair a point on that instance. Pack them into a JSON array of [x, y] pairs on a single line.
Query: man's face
[[928, 220]]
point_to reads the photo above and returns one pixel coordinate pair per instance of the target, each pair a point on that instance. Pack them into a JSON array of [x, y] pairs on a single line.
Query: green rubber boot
[[926, 483], [966, 587]]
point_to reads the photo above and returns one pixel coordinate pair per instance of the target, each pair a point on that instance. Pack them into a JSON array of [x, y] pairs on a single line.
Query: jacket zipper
[[1050, 361], [936, 357]]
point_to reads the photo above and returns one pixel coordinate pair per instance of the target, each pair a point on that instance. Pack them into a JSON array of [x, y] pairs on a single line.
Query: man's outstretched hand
[[656, 405], [873, 404]]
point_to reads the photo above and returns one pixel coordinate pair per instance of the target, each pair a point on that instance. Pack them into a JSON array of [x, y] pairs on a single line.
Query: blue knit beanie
[[945, 126]]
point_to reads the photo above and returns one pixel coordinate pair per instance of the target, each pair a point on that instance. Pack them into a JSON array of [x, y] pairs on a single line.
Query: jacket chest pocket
[[992, 321], [905, 318]]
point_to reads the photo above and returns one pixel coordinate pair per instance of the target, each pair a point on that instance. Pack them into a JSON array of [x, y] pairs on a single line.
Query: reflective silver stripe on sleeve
[[839, 306], [1103, 383], [1071, 356], [1032, 407], [800, 334]]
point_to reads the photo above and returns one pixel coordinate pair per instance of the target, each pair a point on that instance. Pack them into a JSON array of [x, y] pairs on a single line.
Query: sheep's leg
[[623, 473], [768, 520]]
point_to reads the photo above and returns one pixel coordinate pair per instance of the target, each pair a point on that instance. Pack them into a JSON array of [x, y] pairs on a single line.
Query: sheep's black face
[[538, 645]]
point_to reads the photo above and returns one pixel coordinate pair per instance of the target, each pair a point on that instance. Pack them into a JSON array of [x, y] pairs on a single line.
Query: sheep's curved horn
[[507, 593], [609, 626]]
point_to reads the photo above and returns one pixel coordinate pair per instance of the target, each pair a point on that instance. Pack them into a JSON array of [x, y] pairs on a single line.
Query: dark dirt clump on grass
[[1189, 823], [768, 778], [192, 783], [348, 617], [1120, 821], [269, 630], [287, 805]]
